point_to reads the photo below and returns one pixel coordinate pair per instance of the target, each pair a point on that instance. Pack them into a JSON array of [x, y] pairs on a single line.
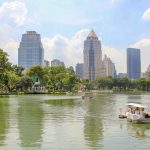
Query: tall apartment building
[[133, 63], [30, 51], [92, 57], [108, 67], [57, 62], [79, 70]]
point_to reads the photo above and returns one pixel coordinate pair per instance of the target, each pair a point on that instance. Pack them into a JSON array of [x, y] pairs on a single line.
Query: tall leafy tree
[[23, 83], [5, 68], [38, 74]]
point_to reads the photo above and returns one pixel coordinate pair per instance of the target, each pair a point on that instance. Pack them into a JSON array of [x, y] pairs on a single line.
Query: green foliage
[[144, 84], [58, 79], [38, 74], [121, 83], [62, 79], [6, 76], [104, 83], [18, 70], [10, 81], [4, 63], [23, 83], [88, 85]]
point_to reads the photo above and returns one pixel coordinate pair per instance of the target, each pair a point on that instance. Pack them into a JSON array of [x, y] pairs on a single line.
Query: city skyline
[[117, 27]]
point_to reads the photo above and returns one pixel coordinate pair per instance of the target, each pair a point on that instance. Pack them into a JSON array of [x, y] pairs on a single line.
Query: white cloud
[[146, 15], [5, 30], [68, 50], [71, 50], [144, 45], [117, 56], [11, 47], [13, 11]]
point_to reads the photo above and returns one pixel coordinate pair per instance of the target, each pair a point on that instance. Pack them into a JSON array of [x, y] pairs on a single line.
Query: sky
[[65, 24]]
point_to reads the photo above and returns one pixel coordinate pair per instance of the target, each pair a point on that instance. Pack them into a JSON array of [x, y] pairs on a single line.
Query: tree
[[121, 83], [18, 70], [144, 84], [61, 78], [71, 80], [5, 68], [56, 76], [23, 83], [104, 83], [38, 74], [88, 85], [4, 63], [10, 80]]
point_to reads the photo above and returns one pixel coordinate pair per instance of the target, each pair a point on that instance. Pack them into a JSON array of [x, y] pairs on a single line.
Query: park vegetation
[[58, 79]]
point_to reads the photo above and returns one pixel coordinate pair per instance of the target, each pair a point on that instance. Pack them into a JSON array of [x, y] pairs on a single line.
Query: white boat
[[137, 113]]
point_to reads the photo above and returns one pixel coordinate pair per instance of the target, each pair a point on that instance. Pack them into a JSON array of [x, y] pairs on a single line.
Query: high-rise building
[[108, 67], [133, 63], [92, 57], [79, 70], [57, 62], [46, 63], [147, 73], [30, 51], [121, 75]]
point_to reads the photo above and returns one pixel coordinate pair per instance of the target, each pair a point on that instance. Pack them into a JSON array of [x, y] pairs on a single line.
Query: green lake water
[[45, 122]]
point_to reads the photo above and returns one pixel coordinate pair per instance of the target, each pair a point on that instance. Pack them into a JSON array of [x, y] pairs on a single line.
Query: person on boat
[[142, 113], [129, 111], [137, 111]]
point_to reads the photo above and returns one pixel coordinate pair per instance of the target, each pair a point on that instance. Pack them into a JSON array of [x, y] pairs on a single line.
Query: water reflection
[[134, 98], [93, 125], [140, 131], [63, 102], [4, 125], [30, 123], [61, 109]]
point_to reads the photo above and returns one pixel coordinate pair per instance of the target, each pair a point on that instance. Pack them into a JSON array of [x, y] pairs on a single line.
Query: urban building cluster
[[31, 53], [94, 66]]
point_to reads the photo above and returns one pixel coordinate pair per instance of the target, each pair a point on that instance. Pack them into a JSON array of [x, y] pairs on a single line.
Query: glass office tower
[[30, 52], [133, 63], [92, 57]]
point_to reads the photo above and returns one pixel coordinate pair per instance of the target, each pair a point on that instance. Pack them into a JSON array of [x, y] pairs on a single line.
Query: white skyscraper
[[108, 67]]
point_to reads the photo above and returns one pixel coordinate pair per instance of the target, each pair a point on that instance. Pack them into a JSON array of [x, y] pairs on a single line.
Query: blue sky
[[118, 23]]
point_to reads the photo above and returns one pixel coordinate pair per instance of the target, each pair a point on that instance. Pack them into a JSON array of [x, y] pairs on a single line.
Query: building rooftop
[[92, 35], [31, 32]]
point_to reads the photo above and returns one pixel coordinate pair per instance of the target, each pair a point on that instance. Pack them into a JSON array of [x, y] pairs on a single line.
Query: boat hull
[[144, 120], [122, 116]]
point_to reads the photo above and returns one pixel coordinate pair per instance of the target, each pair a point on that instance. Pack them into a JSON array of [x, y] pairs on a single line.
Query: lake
[[45, 122]]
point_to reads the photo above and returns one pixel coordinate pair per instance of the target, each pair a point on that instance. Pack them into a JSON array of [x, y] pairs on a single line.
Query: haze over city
[[65, 24]]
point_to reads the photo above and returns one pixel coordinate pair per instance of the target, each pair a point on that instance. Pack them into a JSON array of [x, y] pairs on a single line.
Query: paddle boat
[[136, 113]]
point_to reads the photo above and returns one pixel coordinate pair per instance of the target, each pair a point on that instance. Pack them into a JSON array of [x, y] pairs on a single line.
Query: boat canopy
[[136, 105]]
